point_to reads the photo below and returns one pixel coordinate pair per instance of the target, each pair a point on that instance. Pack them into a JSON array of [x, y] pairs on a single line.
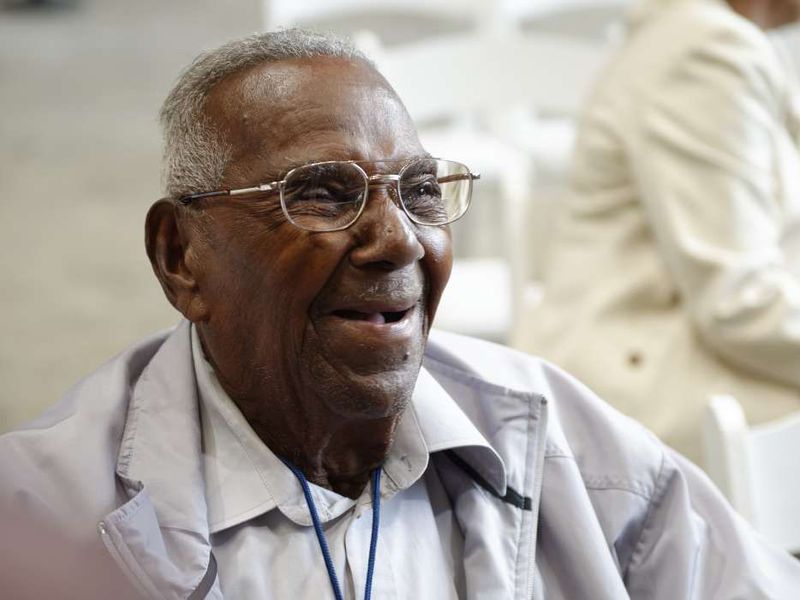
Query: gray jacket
[[103, 496]]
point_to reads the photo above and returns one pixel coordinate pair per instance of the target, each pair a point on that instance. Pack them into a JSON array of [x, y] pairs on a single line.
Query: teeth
[[377, 318]]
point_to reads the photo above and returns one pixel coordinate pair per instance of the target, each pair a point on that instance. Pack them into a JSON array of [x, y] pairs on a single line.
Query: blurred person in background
[[675, 268]]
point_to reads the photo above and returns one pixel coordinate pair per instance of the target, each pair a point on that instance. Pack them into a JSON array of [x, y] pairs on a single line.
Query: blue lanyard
[[323, 542]]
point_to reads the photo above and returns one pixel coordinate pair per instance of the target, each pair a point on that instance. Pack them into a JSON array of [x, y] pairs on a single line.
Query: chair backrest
[[596, 19], [757, 468], [492, 72], [495, 81], [389, 21]]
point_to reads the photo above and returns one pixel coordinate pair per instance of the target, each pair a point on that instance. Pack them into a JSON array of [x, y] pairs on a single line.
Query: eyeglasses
[[330, 196]]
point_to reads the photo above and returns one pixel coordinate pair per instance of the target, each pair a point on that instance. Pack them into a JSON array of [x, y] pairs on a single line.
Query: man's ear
[[167, 246]]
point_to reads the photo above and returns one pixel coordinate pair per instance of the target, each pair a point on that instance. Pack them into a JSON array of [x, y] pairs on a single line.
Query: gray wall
[[79, 166]]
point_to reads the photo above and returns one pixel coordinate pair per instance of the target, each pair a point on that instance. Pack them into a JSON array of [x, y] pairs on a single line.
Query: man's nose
[[386, 236]]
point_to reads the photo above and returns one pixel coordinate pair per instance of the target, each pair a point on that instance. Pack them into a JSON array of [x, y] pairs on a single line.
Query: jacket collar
[[515, 422], [160, 538], [256, 481], [161, 444]]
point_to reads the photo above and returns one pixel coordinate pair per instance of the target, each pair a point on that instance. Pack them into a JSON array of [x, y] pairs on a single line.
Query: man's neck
[[333, 453], [344, 459]]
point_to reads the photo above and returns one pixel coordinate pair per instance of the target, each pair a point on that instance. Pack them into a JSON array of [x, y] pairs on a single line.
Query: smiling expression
[[335, 322]]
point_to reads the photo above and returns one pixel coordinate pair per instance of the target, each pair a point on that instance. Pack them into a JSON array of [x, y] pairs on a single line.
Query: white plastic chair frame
[[757, 468], [590, 19], [373, 23]]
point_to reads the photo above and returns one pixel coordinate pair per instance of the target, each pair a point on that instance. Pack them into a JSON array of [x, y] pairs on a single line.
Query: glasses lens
[[324, 196], [435, 191]]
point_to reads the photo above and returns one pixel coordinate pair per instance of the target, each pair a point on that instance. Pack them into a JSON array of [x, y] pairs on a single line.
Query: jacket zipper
[[536, 494], [108, 542]]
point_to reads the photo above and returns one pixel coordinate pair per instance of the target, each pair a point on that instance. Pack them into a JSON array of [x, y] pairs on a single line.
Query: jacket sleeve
[[694, 546], [704, 156]]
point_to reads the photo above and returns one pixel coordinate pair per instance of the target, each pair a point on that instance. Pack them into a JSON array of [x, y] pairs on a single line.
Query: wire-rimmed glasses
[[331, 195]]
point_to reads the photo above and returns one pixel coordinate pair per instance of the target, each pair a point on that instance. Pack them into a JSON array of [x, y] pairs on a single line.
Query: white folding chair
[[601, 20], [374, 23], [757, 468], [583, 33], [476, 82]]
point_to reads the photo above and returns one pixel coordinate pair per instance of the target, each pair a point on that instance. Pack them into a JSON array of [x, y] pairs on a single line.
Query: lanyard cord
[[376, 525], [323, 541]]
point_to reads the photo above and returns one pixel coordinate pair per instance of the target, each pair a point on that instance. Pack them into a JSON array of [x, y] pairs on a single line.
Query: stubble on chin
[[379, 393]]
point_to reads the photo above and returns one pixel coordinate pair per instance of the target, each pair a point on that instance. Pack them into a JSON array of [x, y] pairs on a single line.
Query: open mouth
[[378, 318]]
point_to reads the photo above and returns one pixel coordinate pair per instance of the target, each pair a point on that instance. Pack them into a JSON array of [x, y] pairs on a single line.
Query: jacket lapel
[[160, 536], [499, 533]]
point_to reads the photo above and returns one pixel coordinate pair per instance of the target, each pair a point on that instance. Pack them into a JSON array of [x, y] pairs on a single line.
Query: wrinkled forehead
[[320, 108]]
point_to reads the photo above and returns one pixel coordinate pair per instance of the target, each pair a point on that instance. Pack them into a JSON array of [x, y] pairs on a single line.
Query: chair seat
[[477, 301]]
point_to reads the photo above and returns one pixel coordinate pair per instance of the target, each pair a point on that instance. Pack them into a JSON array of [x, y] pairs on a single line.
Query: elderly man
[[295, 438]]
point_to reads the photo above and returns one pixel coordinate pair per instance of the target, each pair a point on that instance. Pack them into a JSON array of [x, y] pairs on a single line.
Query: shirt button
[[635, 358]]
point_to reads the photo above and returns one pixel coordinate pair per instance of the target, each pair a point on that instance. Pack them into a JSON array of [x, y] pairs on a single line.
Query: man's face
[[337, 320], [788, 12]]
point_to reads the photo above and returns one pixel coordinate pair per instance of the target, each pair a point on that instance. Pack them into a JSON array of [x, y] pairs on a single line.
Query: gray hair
[[195, 156]]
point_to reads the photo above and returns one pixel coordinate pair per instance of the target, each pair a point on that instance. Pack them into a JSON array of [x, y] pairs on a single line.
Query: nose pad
[[383, 203], [385, 233], [387, 189]]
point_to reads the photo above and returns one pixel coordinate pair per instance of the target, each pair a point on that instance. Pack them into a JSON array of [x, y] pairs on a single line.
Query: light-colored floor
[[79, 166]]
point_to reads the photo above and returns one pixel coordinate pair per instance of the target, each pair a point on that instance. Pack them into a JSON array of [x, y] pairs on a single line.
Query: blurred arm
[[705, 160]]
